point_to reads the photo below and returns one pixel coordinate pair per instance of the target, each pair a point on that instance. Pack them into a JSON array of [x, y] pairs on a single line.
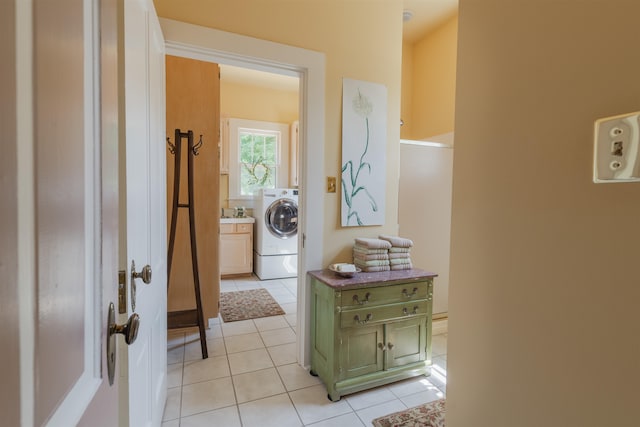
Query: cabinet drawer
[[244, 228], [227, 228], [385, 294], [375, 314]]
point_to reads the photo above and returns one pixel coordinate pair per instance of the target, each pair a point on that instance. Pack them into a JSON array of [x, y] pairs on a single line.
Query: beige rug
[[250, 304], [428, 415]]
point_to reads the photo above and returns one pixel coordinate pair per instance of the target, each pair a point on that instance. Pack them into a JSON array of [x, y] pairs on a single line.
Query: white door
[[66, 201], [144, 389]]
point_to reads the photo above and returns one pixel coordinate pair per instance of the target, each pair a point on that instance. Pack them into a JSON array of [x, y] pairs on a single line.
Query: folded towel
[[366, 251], [374, 262], [401, 267], [373, 243], [400, 261], [376, 268], [398, 255], [369, 257], [399, 242], [399, 250]]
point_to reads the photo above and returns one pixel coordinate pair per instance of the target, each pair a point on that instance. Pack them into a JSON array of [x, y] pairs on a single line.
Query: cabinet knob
[[382, 346], [389, 345]]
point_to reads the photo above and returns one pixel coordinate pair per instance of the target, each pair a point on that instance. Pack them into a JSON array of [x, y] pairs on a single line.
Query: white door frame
[[207, 44]]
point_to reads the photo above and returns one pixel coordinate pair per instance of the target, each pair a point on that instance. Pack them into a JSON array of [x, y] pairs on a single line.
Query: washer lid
[[281, 218]]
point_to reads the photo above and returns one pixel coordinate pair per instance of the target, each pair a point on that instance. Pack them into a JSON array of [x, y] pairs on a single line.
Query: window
[[258, 158]]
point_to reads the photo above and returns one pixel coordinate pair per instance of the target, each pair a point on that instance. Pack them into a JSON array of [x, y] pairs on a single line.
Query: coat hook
[[172, 148], [196, 148]]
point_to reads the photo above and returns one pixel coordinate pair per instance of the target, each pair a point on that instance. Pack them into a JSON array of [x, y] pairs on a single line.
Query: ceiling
[[427, 15]]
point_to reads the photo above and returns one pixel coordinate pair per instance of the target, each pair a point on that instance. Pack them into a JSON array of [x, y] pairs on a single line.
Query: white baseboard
[[439, 326]]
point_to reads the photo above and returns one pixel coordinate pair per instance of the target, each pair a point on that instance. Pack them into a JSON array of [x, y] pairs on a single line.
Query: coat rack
[[193, 317]]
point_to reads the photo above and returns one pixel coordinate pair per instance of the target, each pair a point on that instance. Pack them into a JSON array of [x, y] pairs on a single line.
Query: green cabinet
[[370, 330]]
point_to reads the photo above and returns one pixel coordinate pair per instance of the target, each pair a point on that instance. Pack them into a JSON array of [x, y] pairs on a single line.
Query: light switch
[[616, 144], [331, 184]]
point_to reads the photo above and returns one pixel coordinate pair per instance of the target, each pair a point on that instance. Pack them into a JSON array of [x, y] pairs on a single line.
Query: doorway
[[211, 45], [259, 116]]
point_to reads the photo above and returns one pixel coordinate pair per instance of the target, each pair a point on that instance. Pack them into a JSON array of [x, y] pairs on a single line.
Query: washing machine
[[275, 248]]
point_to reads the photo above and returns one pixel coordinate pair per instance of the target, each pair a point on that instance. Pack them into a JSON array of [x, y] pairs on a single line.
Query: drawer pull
[[412, 294], [362, 322], [414, 312], [364, 301]]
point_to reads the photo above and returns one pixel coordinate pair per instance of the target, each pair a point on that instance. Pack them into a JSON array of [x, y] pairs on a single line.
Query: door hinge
[[122, 291]]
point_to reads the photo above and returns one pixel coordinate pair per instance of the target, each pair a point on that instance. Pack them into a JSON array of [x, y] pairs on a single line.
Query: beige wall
[[544, 316], [428, 102], [359, 42], [9, 311], [406, 109], [254, 102]]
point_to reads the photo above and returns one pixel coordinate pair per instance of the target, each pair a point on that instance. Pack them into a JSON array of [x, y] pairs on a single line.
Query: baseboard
[[439, 326]]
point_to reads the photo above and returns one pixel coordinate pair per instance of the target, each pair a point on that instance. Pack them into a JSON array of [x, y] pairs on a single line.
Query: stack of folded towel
[[371, 254], [399, 252]]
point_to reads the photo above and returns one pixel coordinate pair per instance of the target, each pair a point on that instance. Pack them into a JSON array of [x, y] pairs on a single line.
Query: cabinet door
[[361, 351], [235, 253], [406, 341]]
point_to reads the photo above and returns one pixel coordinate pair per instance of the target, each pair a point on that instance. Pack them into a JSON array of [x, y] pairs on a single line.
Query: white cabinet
[[236, 248]]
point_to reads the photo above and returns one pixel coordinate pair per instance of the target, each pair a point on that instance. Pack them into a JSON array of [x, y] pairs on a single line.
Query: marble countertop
[[364, 279], [233, 220]]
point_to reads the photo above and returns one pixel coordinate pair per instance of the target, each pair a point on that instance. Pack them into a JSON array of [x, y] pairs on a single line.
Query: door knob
[[130, 332], [129, 329], [145, 274]]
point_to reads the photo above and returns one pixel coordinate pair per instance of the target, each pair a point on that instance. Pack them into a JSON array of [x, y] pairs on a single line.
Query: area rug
[[427, 415], [250, 304]]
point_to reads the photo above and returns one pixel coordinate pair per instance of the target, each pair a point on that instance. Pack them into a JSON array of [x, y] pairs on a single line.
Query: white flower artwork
[[364, 141]]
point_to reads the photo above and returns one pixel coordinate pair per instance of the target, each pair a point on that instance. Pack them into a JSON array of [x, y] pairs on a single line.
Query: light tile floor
[[251, 377]]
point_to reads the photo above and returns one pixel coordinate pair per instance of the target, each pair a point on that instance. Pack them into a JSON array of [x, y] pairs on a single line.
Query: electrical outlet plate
[[616, 145]]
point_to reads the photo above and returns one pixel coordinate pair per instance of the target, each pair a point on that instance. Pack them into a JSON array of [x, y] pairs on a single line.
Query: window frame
[[282, 153]]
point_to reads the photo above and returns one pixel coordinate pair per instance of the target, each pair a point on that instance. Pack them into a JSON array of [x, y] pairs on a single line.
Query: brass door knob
[[129, 330], [145, 274]]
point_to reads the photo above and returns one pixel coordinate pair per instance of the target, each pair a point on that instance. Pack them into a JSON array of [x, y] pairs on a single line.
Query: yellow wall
[[429, 109], [254, 102], [360, 41], [407, 91], [544, 316]]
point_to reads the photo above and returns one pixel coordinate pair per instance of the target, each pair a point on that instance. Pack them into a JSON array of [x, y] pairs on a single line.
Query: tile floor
[[251, 377]]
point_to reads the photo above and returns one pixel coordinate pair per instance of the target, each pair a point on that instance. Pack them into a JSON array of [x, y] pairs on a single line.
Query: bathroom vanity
[[236, 246], [371, 329]]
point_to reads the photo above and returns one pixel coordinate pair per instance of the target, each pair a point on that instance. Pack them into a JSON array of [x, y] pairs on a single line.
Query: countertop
[[234, 220], [364, 279]]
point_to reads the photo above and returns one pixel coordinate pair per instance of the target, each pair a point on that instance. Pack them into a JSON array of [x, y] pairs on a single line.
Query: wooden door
[[406, 341], [193, 99], [359, 350]]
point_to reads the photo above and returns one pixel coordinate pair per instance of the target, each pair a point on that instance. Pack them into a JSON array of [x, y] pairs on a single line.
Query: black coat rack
[[193, 317]]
